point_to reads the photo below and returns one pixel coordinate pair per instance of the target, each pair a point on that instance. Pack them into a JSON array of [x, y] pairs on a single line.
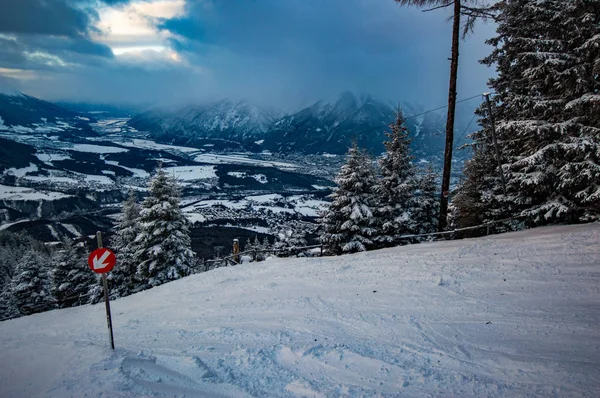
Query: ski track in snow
[[510, 315]]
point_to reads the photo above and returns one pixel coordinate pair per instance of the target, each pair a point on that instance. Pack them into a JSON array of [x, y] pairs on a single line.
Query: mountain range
[[28, 114], [64, 169], [323, 127]]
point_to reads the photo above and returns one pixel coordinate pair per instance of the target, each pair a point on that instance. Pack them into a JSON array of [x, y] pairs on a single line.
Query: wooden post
[[450, 119], [236, 250], [321, 250], [106, 298]]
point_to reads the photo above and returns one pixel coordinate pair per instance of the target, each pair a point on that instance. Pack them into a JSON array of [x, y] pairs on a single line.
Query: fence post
[[321, 250], [236, 250]]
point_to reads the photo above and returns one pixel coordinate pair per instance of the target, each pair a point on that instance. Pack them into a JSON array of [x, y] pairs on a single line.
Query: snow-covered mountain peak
[[10, 92], [7, 88], [226, 118]]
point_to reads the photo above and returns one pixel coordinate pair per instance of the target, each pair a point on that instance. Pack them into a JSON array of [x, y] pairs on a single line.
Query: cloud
[[56, 17], [280, 52], [315, 48], [35, 34], [132, 27]]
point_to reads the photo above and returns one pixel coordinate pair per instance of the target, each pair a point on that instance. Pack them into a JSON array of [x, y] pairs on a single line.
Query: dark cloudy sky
[[282, 52]]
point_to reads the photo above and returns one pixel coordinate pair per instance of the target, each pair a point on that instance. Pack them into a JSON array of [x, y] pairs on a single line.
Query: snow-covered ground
[[305, 205], [23, 193], [148, 144], [192, 173], [509, 315], [97, 148], [241, 159]]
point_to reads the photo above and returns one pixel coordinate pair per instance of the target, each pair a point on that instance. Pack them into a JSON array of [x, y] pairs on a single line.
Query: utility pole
[[450, 120], [493, 128]]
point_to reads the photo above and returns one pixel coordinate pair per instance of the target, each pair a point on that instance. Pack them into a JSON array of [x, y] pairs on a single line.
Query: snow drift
[[509, 315]]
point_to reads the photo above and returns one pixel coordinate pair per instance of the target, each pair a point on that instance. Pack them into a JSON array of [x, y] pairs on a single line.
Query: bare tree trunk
[[450, 121]]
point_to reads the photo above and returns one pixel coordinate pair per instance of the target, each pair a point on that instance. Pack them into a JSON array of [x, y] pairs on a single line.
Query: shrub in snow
[[288, 239], [257, 248]]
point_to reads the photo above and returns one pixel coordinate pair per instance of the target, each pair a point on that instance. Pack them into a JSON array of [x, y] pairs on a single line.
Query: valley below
[[244, 172], [66, 185]]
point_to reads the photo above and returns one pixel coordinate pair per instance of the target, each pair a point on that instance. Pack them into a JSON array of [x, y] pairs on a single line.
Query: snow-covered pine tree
[[8, 309], [260, 256], [8, 261], [289, 238], [71, 277], [30, 286], [580, 175], [467, 207], [396, 187], [122, 278], [163, 245], [427, 203], [348, 223], [546, 114], [13, 248], [266, 245], [249, 247]]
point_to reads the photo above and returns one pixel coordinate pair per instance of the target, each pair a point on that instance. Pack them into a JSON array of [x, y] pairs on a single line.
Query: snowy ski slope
[[509, 315]]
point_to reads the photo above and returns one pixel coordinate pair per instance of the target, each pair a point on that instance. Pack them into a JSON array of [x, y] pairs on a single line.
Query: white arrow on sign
[[99, 263]]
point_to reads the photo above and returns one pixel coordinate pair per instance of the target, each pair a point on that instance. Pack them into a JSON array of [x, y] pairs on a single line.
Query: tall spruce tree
[[71, 277], [396, 186], [472, 10], [580, 176], [546, 115], [348, 222], [122, 277], [163, 245]]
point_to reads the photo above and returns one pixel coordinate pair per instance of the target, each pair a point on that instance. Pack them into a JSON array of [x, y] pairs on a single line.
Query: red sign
[[102, 260]]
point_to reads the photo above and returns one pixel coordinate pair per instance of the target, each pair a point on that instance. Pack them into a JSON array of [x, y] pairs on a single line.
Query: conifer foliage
[[122, 277], [30, 287], [288, 240], [257, 248], [71, 277], [396, 187], [163, 245], [547, 111], [427, 203], [348, 223]]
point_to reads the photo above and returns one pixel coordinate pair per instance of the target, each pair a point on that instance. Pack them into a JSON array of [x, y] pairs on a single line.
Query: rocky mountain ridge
[[323, 127]]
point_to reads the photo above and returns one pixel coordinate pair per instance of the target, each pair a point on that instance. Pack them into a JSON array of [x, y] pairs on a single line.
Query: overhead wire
[[442, 107], [464, 132]]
